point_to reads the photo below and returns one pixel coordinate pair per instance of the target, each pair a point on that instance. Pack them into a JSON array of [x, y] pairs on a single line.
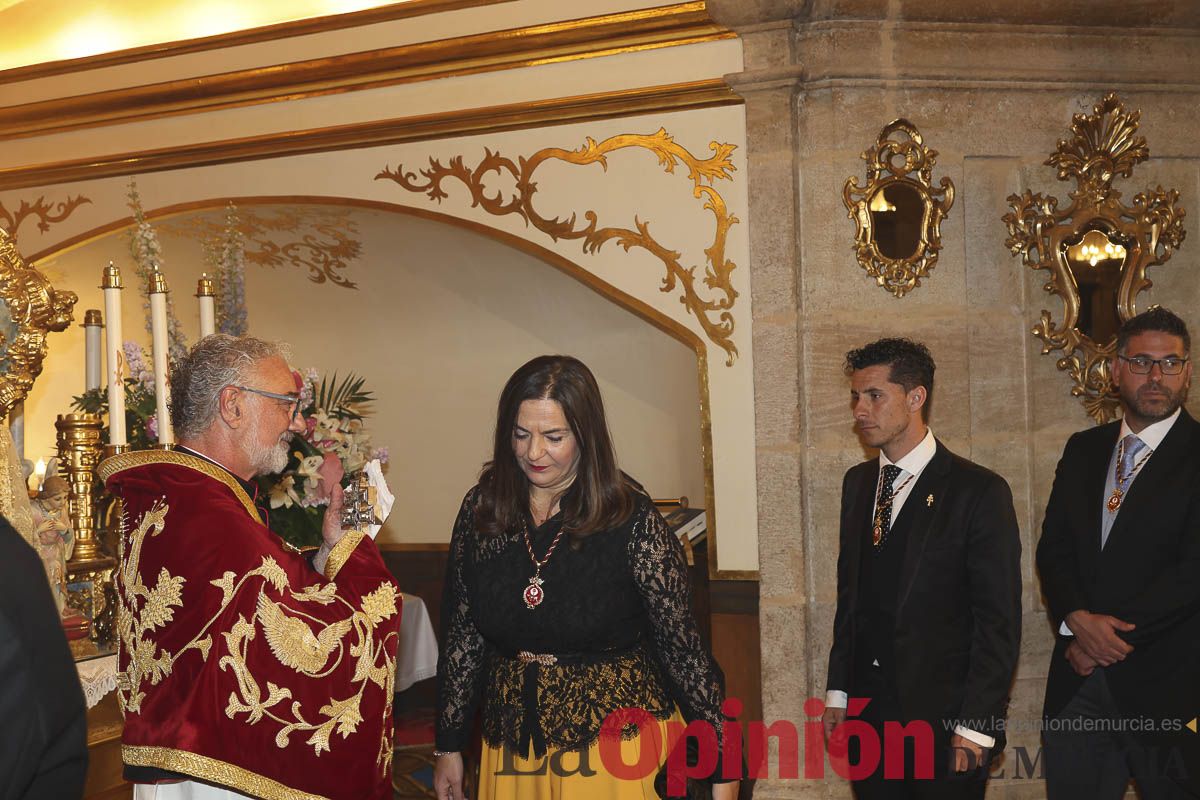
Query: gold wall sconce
[[898, 214], [1096, 250]]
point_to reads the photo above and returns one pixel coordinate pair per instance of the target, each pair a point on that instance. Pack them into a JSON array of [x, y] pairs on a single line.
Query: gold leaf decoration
[[712, 308], [286, 630], [35, 309], [293, 641], [898, 161], [380, 604], [320, 240], [46, 213], [141, 610], [1104, 145]]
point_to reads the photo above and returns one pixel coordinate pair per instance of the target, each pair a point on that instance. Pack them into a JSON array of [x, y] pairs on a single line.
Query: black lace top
[[615, 614]]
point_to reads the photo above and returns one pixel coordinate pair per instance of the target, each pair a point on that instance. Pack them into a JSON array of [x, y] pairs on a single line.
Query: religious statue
[[53, 538]]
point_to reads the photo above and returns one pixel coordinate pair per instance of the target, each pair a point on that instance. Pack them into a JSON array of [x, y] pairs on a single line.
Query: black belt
[[531, 728]]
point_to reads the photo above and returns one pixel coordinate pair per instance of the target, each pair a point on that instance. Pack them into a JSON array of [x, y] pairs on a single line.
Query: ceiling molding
[[265, 33], [665, 26], [517, 116]]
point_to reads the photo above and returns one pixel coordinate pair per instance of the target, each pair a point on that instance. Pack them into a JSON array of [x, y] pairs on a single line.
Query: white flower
[[284, 493]]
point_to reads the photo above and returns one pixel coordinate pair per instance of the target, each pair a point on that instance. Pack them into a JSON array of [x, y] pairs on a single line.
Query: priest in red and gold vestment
[[246, 667]]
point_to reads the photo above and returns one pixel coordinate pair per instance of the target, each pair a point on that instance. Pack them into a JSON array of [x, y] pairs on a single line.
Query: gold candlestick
[[78, 455]]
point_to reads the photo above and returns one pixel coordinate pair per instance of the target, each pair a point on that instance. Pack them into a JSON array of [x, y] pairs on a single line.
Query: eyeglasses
[[291, 399], [1141, 365]]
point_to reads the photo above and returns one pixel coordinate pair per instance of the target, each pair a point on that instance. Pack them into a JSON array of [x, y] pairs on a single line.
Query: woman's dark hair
[[600, 498]]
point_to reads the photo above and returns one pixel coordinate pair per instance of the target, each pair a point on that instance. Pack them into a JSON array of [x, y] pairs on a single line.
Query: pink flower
[[152, 426], [382, 454]]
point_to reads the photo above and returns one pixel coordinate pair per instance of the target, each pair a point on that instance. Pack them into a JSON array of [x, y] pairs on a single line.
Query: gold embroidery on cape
[[341, 551], [287, 632], [212, 770], [137, 458], [146, 662]]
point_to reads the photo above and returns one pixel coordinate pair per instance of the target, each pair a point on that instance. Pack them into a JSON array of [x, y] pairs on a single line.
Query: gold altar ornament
[[709, 295], [1097, 249], [79, 452], [32, 308], [898, 213]]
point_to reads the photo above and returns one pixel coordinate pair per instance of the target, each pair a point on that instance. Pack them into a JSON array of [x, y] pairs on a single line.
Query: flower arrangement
[[334, 414], [141, 418], [227, 256], [148, 257]]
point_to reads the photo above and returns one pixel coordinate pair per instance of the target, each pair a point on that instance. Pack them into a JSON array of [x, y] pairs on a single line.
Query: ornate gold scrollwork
[[713, 313], [898, 214], [46, 213], [324, 244], [32, 309], [1096, 250]]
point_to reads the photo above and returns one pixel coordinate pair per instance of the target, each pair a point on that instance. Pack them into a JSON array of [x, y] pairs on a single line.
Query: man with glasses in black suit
[[1119, 560]]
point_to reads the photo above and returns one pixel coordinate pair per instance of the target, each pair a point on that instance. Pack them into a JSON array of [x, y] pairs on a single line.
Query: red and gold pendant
[[1114, 502], [533, 594]]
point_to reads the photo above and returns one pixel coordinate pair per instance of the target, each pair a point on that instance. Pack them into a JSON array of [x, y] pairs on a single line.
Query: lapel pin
[[929, 501]]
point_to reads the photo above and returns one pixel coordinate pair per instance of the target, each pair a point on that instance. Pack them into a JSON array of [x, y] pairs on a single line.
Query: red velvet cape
[[239, 664]]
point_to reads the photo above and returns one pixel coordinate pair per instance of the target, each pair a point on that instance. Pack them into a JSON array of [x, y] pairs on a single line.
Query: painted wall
[[439, 318]]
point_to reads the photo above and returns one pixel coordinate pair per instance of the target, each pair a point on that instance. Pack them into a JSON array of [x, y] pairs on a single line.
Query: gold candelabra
[[78, 455], [79, 452]]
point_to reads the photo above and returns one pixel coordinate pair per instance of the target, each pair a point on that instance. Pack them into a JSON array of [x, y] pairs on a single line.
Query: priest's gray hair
[[214, 362]]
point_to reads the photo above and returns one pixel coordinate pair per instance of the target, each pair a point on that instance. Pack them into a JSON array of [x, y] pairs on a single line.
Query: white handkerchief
[[384, 499]]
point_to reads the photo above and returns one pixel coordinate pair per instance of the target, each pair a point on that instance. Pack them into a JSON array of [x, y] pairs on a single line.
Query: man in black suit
[[1119, 560], [928, 621], [43, 738]]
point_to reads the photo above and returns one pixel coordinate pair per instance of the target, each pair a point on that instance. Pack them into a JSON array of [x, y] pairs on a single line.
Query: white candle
[[205, 293], [114, 356], [91, 344], [158, 333]]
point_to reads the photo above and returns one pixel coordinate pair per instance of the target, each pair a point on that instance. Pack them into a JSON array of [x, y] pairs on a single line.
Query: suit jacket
[[43, 741], [958, 609], [1148, 573]]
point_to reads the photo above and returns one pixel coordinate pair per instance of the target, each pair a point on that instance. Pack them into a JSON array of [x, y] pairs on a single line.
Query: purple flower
[[152, 426], [135, 362], [382, 454]]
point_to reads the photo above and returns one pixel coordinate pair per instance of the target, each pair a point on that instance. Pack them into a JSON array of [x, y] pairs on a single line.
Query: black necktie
[[883, 505]]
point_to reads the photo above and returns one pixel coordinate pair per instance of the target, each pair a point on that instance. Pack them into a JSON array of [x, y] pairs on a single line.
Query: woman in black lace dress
[[566, 599]]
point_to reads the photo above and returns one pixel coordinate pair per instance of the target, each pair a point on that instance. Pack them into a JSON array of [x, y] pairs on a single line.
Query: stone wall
[[992, 94]]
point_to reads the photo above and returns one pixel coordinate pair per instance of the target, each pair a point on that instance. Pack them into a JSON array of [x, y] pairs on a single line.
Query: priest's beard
[[267, 460]]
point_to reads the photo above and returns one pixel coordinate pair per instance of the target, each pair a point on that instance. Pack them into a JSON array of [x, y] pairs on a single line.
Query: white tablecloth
[[98, 676], [417, 654]]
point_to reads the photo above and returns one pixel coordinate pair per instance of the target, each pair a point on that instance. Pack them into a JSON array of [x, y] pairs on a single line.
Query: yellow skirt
[[570, 775]]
